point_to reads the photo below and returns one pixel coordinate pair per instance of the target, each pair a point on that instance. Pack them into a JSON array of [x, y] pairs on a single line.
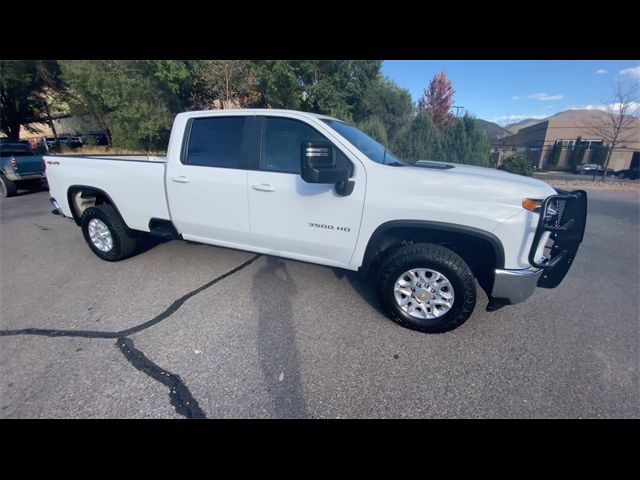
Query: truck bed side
[[134, 184]]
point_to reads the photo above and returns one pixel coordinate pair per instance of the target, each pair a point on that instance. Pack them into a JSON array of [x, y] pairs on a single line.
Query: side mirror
[[319, 163]]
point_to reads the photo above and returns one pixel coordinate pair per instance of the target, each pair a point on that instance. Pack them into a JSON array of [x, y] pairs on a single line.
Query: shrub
[[517, 164], [374, 127]]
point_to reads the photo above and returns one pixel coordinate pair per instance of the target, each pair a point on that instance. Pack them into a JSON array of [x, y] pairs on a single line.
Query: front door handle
[[263, 187], [180, 179]]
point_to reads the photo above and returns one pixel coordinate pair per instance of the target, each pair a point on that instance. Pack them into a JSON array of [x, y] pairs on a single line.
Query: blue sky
[[497, 90]]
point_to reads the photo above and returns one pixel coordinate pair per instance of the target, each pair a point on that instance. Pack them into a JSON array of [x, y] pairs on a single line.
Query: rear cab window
[[220, 142], [17, 150]]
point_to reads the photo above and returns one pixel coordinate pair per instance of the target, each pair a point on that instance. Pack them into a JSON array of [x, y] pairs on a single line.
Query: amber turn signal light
[[531, 204]]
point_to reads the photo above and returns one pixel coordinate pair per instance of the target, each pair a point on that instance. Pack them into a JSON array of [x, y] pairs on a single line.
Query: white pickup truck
[[313, 188]]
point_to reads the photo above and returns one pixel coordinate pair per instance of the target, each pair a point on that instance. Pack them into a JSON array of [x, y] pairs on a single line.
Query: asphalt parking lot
[[187, 330]]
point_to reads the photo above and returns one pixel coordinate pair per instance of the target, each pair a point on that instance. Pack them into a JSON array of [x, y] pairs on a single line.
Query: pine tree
[[418, 141], [554, 155], [579, 149]]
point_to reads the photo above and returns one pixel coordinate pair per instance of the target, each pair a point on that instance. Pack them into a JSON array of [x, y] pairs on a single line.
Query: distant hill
[[574, 118], [527, 122], [493, 130]]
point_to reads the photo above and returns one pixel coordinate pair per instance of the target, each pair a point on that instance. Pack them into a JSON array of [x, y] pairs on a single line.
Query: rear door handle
[[180, 179], [263, 187]]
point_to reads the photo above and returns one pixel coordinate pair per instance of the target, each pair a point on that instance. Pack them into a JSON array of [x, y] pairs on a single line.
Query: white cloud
[[633, 72], [602, 71], [633, 107], [543, 97]]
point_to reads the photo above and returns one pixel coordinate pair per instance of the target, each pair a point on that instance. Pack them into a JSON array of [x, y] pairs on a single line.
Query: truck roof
[[254, 111]]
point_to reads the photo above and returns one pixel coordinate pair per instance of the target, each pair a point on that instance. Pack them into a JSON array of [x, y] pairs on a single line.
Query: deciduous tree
[[618, 124], [133, 100], [390, 104], [223, 84], [437, 100], [21, 96]]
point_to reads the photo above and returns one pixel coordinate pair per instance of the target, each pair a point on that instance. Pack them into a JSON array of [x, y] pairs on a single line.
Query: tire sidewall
[[8, 188], [443, 323], [115, 253]]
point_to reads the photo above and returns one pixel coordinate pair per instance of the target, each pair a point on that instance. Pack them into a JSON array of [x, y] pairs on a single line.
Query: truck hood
[[496, 184]]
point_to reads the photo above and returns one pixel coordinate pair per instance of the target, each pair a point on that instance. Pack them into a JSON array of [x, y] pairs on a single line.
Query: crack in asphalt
[[170, 310], [179, 395]]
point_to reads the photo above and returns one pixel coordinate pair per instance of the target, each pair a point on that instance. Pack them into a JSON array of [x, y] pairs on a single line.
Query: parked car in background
[[95, 138], [592, 168], [630, 173], [71, 141], [19, 167]]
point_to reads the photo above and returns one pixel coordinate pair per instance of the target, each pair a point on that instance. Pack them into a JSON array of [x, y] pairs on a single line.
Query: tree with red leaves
[[437, 100]]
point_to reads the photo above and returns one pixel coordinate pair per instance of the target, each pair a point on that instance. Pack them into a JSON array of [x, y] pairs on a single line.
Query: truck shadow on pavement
[[274, 287], [363, 284], [33, 189]]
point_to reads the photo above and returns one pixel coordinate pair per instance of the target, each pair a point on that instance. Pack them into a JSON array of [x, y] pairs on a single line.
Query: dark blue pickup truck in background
[[20, 167]]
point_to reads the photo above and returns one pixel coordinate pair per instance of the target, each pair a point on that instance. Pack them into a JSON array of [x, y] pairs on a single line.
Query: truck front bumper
[[515, 286], [564, 216]]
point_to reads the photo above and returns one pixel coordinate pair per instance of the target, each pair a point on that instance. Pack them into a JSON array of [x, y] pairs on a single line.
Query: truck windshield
[[363, 142]]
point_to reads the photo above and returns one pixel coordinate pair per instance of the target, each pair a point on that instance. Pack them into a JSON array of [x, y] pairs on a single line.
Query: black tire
[[440, 259], [8, 188], [124, 240]]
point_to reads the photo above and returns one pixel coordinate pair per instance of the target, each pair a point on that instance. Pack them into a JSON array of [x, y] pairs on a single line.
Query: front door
[[292, 218]]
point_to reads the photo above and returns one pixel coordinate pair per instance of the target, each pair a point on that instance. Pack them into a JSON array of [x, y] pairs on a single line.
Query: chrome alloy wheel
[[424, 293], [100, 235]]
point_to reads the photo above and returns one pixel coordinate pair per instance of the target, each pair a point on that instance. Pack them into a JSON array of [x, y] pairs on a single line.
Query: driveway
[[187, 330]]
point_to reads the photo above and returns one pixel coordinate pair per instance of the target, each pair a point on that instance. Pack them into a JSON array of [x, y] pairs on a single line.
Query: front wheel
[[426, 287], [106, 234]]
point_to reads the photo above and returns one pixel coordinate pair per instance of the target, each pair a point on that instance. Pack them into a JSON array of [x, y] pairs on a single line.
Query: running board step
[[166, 232]]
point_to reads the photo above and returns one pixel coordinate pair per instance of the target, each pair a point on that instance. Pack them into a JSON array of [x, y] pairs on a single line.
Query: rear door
[[207, 188], [293, 218]]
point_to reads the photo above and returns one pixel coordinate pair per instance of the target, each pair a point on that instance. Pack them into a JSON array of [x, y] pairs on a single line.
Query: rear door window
[[218, 142]]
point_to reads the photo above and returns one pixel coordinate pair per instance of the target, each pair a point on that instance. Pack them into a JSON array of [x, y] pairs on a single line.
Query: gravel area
[[597, 185]]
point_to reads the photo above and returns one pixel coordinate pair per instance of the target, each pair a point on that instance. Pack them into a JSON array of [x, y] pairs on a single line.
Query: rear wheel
[[426, 287], [106, 234], [8, 188]]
